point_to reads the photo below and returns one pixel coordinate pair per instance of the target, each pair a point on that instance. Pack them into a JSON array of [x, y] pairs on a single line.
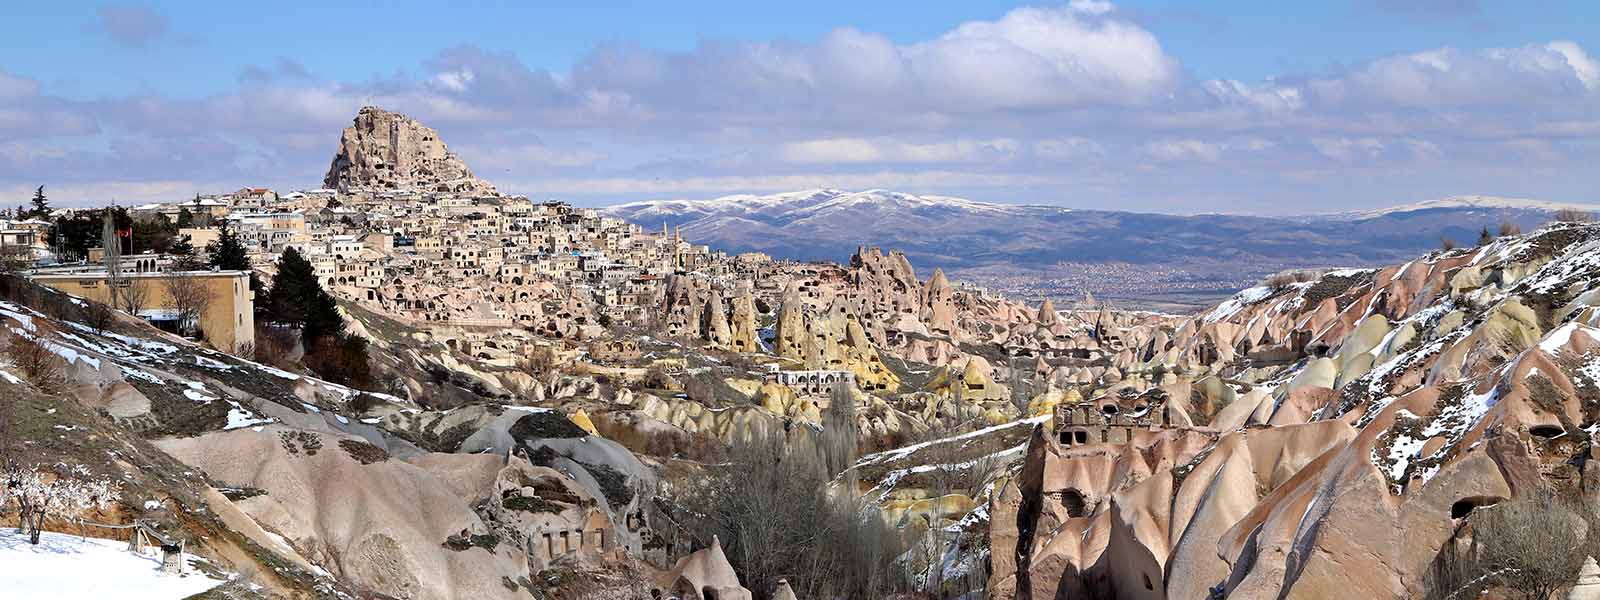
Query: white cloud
[[488, 159], [1269, 97], [455, 81], [1090, 7], [1583, 65], [1532, 150], [101, 193], [1066, 149], [836, 150], [1195, 150], [133, 26], [1043, 58], [898, 180], [1347, 149], [1024, 99], [1424, 149], [13, 87], [1558, 72], [859, 150], [1183, 150]]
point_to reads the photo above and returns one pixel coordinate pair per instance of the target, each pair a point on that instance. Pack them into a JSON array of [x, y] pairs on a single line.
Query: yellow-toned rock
[[581, 419]]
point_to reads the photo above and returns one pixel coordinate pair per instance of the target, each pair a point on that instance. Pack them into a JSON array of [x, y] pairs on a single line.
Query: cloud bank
[[1075, 105]]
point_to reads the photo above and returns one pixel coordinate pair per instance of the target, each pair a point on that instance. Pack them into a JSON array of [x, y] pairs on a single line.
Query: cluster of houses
[[444, 259], [24, 239]]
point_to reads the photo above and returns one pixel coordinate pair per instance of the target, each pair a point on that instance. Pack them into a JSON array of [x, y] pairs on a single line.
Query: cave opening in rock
[[1073, 501], [1465, 506], [1546, 431]]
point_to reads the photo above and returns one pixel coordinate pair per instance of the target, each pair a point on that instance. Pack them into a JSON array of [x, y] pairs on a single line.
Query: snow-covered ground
[[63, 567]]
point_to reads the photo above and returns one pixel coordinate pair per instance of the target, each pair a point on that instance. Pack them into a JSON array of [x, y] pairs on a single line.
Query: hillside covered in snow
[[67, 567]]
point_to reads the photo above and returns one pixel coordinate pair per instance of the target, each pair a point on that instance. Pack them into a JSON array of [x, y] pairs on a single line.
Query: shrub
[[1528, 548], [545, 425], [771, 508], [461, 542], [1573, 215], [273, 346], [613, 484], [342, 359], [363, 402], [35, 362], [656, 378], [543, 456], [1283, 279], [533, 504], [295, 442], [98, 316], [363, 452]]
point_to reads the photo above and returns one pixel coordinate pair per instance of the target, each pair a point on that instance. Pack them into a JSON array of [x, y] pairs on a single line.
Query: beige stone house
[[227, 320]]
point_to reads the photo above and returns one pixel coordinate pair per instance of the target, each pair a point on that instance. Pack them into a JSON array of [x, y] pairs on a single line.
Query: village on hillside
[[406, 384]]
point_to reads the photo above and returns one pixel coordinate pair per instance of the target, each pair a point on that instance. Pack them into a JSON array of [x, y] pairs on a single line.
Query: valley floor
[[64, 567]]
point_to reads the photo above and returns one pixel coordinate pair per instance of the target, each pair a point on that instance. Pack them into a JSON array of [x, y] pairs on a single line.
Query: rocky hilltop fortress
[[385, 151], [567, 405]]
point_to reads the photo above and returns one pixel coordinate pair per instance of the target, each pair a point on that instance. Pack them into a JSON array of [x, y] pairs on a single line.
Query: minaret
[[677, 251]]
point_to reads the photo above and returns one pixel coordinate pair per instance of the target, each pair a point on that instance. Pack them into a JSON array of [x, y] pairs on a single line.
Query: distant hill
[[956, 233], [1032, 249]]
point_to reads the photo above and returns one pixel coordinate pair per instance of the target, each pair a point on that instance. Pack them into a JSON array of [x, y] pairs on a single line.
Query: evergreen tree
[[154, 235], [185, 218], [322, 318], [228, 253], [297, 299], [258, 291], [1484, 237], [41, 205], [287, 299], [183, 255]]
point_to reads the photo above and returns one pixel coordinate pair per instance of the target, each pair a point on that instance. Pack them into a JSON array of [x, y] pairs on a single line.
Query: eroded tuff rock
[[384, 151], [381, 523], [704, 575], [695, 307], [1337, 434]]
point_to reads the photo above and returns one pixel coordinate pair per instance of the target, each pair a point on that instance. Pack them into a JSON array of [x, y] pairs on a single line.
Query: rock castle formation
[[384, 150]]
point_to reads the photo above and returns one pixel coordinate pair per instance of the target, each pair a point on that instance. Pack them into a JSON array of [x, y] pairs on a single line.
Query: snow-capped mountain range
[[811, 204], [1470, 202], [955, 233], [830, 224]]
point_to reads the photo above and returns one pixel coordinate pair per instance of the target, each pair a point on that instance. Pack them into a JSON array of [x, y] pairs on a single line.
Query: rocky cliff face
[[1328, 438], [348, 490], [384, 151]]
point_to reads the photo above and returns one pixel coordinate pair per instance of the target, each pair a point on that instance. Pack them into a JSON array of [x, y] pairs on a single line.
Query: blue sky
[[1172, 106]]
